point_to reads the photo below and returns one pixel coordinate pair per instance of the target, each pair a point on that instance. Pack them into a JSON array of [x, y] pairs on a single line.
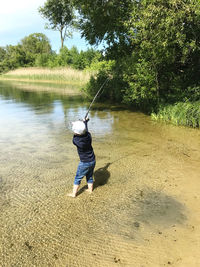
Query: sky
[[19, 18]]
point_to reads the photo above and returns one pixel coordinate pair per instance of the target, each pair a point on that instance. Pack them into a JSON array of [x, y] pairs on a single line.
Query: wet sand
[[144, 210]]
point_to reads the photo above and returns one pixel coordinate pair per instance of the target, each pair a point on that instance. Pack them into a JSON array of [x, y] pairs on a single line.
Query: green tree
[[74, 53], [60, 14], [15, 57], [166, 48], [64, 57], [90, 56], [78, 60], [34, 46], [2, 53], [2, 57], [156, 44]]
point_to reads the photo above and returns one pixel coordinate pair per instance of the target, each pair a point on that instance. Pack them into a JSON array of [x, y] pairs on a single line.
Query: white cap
[[78, 127]]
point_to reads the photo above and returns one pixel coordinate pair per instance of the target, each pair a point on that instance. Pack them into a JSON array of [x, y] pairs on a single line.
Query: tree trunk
[[62, 38]]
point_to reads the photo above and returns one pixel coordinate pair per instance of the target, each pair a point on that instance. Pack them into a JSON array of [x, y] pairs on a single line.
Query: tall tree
[[15, 57], [35, 44], [61, 17], [156, 43], [103, 20], [166, 48]]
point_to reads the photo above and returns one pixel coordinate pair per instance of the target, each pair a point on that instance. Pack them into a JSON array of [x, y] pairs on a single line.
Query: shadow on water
[[157, 208], [150, 208]]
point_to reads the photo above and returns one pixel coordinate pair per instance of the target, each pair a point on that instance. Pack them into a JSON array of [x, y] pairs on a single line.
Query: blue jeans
[[85, 169]]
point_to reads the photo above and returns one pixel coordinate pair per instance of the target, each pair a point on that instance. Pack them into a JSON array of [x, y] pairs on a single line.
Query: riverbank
[[68, 81], [181, 113]]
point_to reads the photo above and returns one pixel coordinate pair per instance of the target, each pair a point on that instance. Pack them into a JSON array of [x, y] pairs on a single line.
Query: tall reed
[[181, 113], [62, 75]]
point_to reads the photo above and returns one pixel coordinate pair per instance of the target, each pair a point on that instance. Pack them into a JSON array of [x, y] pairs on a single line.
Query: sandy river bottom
[[144, 210]]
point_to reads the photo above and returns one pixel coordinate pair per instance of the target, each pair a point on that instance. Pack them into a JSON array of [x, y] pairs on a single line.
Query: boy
[[83, 141]]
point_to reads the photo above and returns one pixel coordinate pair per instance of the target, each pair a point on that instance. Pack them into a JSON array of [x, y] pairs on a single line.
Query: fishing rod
[[96, 97], [69, 126]]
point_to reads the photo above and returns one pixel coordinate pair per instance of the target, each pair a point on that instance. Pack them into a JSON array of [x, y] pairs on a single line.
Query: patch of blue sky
[[21, 18]]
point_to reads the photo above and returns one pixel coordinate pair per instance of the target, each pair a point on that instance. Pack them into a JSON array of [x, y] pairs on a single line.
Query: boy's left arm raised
[[86, 123]]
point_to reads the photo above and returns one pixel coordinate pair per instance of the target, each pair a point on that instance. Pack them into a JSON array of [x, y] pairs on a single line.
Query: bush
[[35, 51], [113, 87], [41, 60], [181, 113]]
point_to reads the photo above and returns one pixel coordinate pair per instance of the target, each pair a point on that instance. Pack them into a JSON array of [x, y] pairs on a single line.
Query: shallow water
[[144, 210]]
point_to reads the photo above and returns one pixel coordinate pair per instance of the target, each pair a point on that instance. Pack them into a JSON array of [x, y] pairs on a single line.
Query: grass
[[181, 113], [56, 75]]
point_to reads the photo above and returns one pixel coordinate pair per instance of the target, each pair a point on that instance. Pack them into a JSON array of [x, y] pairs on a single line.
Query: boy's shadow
[[101, 177]]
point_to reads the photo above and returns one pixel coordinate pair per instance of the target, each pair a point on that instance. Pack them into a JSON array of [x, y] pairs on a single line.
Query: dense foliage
[[155, 44], [35, 50], [181, 113]]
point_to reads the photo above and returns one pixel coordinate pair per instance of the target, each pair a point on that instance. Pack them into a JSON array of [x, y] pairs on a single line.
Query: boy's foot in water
[[90, 188], [75, 190], [71, 195]]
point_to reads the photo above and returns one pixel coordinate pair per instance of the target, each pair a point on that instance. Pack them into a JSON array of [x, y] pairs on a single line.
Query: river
[[144, 210]]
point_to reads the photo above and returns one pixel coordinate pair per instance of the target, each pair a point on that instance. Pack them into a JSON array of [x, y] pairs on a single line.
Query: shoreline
[[179, 114], [40, 81], [65, 89]]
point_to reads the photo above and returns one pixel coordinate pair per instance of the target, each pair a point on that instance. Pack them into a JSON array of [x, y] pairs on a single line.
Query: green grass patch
[[187, 114]]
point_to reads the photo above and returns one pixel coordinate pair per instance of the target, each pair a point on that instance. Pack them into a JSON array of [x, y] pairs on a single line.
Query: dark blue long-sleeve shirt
[[84, 146]]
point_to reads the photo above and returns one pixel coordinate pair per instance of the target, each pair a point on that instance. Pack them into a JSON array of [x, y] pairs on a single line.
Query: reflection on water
[[63, 108], [142, 167]]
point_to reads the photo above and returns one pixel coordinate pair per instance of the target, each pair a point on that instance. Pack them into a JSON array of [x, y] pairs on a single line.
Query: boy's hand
[[86, 119]]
